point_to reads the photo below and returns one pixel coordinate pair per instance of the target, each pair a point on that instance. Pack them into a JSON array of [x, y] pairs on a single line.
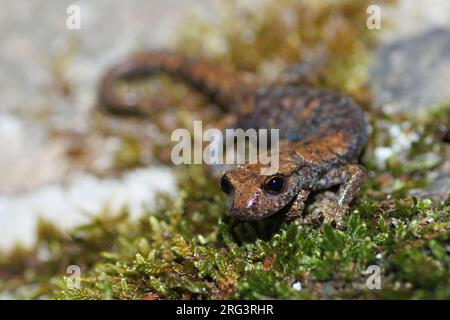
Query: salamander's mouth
[[288, 206], [251, 215]]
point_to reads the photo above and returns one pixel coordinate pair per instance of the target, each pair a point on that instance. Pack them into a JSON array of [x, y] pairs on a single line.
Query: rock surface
[[413, 74], [410, 73]]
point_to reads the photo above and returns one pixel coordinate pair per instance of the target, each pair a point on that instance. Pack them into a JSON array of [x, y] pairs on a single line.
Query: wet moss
[[187, 250]]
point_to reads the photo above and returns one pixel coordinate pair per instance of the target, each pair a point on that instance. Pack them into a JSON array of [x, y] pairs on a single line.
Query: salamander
[[322, 134]]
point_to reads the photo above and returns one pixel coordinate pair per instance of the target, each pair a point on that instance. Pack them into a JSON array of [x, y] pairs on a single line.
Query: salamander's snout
[[244, 197], [252, 196]]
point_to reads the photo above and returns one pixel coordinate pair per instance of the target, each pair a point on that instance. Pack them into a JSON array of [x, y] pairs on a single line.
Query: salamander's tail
[[229, 91]]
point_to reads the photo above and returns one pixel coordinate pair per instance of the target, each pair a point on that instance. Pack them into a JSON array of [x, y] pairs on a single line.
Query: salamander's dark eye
[[274, 184], [225, 184]]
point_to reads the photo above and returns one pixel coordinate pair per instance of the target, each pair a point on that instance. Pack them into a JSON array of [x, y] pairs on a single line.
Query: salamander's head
[[253, 196]]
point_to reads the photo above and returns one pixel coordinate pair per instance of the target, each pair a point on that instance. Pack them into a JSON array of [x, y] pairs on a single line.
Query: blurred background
[[54, 165], [48, 79]]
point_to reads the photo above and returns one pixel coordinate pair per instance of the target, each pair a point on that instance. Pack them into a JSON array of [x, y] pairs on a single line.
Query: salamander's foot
[[331, 212]]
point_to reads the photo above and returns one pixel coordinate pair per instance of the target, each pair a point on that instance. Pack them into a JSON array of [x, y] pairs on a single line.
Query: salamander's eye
[[274, 184], [225, 184]]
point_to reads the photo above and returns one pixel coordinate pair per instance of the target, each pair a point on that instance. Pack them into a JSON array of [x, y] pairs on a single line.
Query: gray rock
[[413, 74], [437, 190]]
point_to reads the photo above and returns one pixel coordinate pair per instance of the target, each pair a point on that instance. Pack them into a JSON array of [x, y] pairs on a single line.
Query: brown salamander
[[322, 133]]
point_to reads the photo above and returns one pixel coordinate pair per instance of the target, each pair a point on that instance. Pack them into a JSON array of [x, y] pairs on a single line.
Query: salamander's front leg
[[349, 178], [296, 210]]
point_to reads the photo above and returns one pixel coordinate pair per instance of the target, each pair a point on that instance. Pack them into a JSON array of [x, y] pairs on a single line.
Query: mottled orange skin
[[322, 134]]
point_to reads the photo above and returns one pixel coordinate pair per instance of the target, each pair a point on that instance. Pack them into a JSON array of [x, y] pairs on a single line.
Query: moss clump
[[188, 250], [328, 40]]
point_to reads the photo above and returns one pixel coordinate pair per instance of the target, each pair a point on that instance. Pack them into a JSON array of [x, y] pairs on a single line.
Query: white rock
[[84, 195]]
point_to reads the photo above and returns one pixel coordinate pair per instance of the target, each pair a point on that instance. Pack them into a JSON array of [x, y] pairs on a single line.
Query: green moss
[[189, 248]]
